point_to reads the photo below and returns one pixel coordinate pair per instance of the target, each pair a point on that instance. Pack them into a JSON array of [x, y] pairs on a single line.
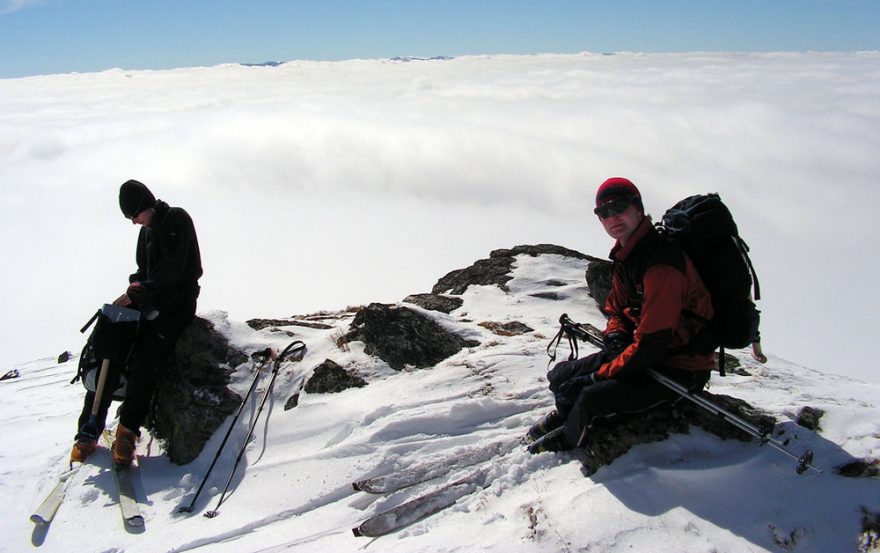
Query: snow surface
[[690, 493]]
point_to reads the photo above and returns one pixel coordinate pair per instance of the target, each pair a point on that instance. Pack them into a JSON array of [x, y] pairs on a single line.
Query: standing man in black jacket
[[164, 288]]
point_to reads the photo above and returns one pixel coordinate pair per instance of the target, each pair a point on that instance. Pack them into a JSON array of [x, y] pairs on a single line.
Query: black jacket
[[168, 259]]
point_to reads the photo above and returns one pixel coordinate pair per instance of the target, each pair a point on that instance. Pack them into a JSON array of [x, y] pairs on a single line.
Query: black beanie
[[135, 197]]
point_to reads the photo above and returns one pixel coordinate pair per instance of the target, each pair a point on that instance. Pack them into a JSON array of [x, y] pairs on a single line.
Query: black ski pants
[[580, 404], [153, 346]]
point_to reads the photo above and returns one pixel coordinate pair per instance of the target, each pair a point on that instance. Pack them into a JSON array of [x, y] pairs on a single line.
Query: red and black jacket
[[659, 299]]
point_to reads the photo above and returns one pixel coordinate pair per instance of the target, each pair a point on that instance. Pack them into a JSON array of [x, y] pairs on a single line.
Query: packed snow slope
[[690, 493]]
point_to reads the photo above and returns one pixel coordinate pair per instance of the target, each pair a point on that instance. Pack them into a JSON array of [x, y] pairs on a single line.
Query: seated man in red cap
[[164, 288], [657, 304]]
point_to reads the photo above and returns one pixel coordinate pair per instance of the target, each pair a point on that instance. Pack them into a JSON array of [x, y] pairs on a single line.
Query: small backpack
[[704, 227]]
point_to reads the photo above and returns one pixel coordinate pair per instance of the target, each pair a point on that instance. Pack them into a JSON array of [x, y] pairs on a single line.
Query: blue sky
[[59, 36]]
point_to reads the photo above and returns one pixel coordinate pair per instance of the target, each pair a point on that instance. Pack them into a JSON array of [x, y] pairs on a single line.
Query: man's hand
[[134, 292], [122, 301], [615, 343], [573, 386], [129, 296]]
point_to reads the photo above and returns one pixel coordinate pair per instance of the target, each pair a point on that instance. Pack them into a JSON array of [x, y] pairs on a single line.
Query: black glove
[[573, 386], [560, 373], [615, 343]]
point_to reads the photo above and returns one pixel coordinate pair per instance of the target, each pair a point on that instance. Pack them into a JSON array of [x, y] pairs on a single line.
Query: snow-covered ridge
[[293, 493]]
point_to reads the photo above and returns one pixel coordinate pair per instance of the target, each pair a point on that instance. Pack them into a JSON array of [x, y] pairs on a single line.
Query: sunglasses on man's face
[[614, 207]]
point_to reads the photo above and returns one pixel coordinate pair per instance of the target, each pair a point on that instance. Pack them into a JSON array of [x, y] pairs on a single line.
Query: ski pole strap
[[554, 343], [295, 349], [567, 329]]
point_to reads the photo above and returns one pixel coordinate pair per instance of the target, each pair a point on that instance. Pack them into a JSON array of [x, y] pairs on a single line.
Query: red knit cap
[[617, 188]]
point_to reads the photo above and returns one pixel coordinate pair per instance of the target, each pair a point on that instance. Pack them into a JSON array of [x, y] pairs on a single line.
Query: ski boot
[[551, 421], [82, 448], [551, 441], [124, 446]]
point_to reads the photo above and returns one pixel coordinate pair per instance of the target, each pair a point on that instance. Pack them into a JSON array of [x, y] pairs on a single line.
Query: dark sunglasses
[[614, 207]]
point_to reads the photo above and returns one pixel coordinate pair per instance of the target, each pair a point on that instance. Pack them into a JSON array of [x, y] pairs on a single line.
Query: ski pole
[[298, 347], [267, 355], [593, 335]]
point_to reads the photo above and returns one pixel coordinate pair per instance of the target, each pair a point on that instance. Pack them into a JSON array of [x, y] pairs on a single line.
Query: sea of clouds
[[319, 185]]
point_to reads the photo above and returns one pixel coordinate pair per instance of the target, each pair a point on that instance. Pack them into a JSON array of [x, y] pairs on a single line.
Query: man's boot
[[551, 421], [82, 448], [551, 441], [124, 446]]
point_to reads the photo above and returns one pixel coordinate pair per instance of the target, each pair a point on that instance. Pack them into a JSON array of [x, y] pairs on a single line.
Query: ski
[[433, 469], [420, 507], [128, 503], [125, 477], [49, 506]]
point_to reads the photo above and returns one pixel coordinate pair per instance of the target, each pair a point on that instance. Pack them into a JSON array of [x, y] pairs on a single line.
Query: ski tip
[[37, 519], [356, 486], [357, 532]]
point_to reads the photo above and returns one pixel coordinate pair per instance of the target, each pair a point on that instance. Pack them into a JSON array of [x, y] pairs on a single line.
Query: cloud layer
[[318, 185]]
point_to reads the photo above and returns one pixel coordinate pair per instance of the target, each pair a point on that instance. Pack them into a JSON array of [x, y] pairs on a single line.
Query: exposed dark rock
[[809, 418], [608, 439], [599, 280], [260, 324], [554, 282], [435, 302], [292, 402], [487, 272], [860, 468], [496, 269], [547, 296], [64, 357], [192, 399], [329, 378], [513, 328], [400, 337], [732, 365]]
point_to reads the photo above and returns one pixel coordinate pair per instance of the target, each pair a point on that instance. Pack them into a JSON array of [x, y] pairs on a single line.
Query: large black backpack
[[112, 340], [705, 229]]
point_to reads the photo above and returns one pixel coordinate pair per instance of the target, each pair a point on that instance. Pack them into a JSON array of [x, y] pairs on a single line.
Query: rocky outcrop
[[329, 378], [513, 328], [609, 439], [260, 324], [809, 418], [435, 302], [496, 269], [192, 399], [859, 468], [402, 337], [599, 280]]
